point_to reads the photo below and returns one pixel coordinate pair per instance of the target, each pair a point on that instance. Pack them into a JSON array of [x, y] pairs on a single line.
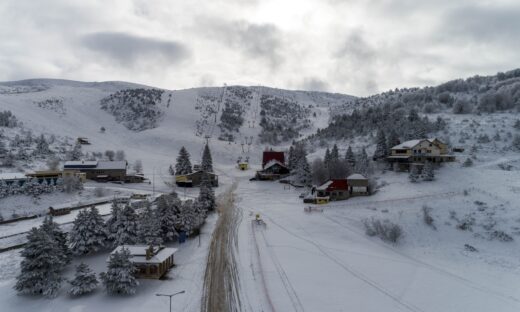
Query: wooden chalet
[[195, 178], [151, 262], [420, 151], [273, 170]]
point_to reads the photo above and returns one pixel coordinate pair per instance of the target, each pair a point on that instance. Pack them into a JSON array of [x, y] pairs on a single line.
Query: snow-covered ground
[[306, 261]]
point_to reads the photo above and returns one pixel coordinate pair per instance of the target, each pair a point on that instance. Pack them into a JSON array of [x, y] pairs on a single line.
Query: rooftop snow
[[75, 163], [138, 253], [111, 165], [356, 176], [408, 144], [12, 176]]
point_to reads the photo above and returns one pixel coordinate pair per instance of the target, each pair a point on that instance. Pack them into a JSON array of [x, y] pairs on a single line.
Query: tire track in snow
[[293, 296], [260, 268], [356, 274], [464, 280]]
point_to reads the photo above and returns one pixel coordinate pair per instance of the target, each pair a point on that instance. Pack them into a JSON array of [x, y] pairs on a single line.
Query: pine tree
[[302, 172], [291, 159], [392, 139], [515, 145], [113, 222], [75, 153], [207, 162], [381, 151], [120, 279], [428, 174], [41, 265], [42, 147], [183, 165], [334, 153], [88, 232], [128, 227], [53, 230], [362, 163], [327, 158], [168, 210], [206, 194], [150, 228], [349, 157], [84, 281], [187, 217], [414, 174]]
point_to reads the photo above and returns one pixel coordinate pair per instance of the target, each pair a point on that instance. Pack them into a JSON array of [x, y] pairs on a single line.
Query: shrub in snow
[[427, 217], [120, 279], [414, 174], [84, 281], [427, 173], [466, 224], [386, 230], [467, 163], [470, 248], [206, 194], [41, 265], [501, 236]]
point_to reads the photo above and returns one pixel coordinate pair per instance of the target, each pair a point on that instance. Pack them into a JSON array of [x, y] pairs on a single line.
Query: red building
[[272, 155], [335, 189]]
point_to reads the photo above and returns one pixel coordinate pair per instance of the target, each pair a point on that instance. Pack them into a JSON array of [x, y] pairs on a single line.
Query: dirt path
[[221, 281]]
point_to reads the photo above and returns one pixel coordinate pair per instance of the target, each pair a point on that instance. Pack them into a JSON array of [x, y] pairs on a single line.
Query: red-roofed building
[[272, 155], [335, 189]]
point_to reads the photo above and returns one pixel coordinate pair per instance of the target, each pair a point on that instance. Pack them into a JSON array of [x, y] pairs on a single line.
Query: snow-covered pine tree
[[291, 159], [42, 146], [128, 227], [414, 174], [183, 165], [187, 218], [120, 279], [362, 163], [428, 174], [392, 139], [84, 281], [88, 232], [168, 210], [207, 162], [381, 148], [171, 170], [302, 172], [150, 228], [41, 265], [206, 194], [54, 231], [75, 153], [113, 222]]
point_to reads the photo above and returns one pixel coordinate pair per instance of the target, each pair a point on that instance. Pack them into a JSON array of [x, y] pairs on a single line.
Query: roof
[[270, 155], [356, 176], [334, 184], [138, 253], [120, 164], [399, 157], [197, 172], [80, 164], [273, 162], [12, 176], [408, 144]]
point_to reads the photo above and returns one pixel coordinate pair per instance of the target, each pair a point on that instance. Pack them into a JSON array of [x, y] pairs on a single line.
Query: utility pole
[[163, 295]]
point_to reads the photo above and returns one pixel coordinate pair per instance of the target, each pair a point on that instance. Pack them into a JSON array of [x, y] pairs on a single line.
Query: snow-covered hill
[[74, 109]]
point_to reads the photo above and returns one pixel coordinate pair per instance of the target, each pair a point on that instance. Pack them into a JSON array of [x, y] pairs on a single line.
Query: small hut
[[150, 261]]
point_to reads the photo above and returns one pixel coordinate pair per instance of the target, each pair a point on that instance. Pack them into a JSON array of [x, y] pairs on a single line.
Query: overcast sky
[[357, 47]]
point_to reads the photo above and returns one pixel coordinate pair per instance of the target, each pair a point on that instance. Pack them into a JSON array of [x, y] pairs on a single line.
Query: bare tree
[[120, 155], [138, 166], [110, 154], [53, 163]]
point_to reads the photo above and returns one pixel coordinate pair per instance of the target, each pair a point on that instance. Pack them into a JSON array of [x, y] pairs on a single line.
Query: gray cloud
[[314, 84], [128, 49], [259, 41]]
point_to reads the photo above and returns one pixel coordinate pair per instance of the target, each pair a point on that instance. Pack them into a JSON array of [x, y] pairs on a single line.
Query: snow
[[324, 186], [408, 144], [318, 261], [138, 253], [12, 176], [356, 176]]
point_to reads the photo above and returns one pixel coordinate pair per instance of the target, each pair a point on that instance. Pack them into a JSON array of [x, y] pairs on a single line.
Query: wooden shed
[[151, 262]]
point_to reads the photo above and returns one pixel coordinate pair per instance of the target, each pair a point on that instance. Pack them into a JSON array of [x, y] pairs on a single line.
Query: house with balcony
[[420, 151]]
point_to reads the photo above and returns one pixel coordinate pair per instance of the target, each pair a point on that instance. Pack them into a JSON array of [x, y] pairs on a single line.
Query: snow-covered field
[[319, 261]]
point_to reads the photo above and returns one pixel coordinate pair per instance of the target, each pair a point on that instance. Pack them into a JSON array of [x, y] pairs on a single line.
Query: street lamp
[[177, 293]]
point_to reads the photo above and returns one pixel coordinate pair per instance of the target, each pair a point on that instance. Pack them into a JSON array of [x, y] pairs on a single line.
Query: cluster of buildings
[[101, 171]]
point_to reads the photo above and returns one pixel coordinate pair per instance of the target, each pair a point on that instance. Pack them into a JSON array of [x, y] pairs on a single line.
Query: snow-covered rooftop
[[324, 186], [12, 176], [273, 162], [138, 253], [111, 165], [408, 144], [356, 176], [75, 163]]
